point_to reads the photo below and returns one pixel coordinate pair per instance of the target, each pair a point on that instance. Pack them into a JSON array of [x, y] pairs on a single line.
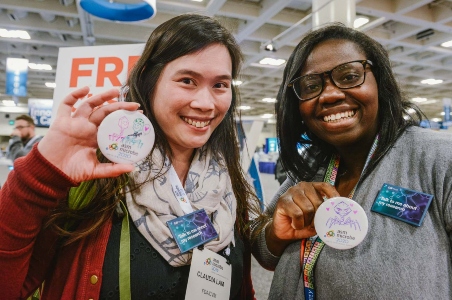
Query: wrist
[[275, 245]]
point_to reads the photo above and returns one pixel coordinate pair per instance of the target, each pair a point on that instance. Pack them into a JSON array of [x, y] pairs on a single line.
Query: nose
[[331, 93], [204, 99]]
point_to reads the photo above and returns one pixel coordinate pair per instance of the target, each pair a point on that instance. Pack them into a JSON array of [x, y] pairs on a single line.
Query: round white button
[[125, 136], [341, 223]]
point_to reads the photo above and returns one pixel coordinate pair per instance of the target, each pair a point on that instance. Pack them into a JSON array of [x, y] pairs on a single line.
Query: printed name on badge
[[210, 276]]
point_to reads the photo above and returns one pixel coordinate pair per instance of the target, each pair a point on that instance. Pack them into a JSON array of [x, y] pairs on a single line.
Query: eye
[[310, 86], [350, 77], [187, 81], [221, 85]]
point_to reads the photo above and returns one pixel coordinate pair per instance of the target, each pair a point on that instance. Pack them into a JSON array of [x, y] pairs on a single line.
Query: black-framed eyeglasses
[[345, 76], [20, 127]]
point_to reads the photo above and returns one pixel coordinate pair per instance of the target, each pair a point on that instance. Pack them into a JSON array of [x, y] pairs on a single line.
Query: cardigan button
[[94, 279]]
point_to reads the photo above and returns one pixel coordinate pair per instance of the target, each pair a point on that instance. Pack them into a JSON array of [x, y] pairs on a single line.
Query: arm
[[32, 190], [292, 217], [259, 247], [15, 148], [65, 157]]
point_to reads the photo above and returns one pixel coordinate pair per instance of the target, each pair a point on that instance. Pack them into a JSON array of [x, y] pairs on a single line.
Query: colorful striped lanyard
[[311, 247]]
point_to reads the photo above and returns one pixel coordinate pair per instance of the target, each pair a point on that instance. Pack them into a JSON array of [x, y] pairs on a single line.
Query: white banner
[[99, 67]]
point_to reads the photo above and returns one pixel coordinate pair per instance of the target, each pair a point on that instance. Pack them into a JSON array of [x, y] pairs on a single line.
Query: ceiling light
[[443, 113], [428, 102], [15, 34], [360, 21], [436, 120], [411, 110], [15, 15], [267, 116], [237, 82], [51, 84], [418, 100], [48, 17], [196, 0], [425, 34], [447, 44], [8, 103], [270, 47], [270, 100], [244, 107], [431, 81], [40, 67], [272, 61]]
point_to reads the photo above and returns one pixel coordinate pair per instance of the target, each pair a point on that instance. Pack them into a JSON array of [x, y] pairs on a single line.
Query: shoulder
[[422, 137], [423, 146]]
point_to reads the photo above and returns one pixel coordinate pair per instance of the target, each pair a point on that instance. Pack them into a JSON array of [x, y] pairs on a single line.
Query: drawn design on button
[[343, 209], [125, 136], [341, 223]]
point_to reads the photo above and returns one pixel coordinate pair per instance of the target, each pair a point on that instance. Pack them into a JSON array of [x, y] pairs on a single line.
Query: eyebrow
[[196, 74]]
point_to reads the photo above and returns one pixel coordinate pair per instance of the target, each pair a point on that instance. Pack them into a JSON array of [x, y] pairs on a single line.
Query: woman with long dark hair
[[346, 132], [73, 241]]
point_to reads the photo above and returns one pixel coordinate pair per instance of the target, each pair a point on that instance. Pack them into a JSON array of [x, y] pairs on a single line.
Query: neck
[[353, 158], [181, 162]]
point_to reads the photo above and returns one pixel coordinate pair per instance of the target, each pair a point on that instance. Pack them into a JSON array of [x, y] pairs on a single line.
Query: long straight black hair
[[179, 36]]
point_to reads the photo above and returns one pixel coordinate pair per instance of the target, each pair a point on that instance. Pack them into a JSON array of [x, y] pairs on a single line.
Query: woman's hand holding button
[[293, 218], [71, 141]]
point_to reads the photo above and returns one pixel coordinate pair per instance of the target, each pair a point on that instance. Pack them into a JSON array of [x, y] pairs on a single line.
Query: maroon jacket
[[30, 254]]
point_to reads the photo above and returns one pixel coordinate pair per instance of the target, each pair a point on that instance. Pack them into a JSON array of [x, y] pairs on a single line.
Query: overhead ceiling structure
[[411, 30]]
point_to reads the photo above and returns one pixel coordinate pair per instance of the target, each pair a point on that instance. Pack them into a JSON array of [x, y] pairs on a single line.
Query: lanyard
[[311, 247], [124, 249], [179, 191], [124, 257]]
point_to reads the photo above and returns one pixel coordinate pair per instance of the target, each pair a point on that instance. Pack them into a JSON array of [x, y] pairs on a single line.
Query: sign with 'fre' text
[[98, 67]]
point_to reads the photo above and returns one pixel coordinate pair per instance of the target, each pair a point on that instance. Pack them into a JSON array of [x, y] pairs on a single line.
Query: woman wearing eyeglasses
[[340, 101]]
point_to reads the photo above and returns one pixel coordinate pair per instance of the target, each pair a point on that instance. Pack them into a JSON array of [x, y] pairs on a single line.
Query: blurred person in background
[[23, 137]]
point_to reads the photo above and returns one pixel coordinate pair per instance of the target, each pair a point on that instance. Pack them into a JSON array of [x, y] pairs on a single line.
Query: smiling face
[[192, 96], [344, 117]]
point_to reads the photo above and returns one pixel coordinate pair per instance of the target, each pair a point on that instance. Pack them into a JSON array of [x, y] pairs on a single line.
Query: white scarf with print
[[208, 186]]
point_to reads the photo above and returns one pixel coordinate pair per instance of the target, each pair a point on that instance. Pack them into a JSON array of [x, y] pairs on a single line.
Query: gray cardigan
[[396, 260]]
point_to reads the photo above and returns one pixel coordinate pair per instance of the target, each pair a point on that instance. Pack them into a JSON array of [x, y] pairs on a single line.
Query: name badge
[[192, 230], [210, 276], [402, 204]]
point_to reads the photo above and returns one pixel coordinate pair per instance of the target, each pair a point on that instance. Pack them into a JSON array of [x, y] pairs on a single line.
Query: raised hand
[[293, 218], [71, 141]]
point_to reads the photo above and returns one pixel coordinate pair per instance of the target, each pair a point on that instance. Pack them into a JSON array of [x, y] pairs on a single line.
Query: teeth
[[197, 124], [339, 116]]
